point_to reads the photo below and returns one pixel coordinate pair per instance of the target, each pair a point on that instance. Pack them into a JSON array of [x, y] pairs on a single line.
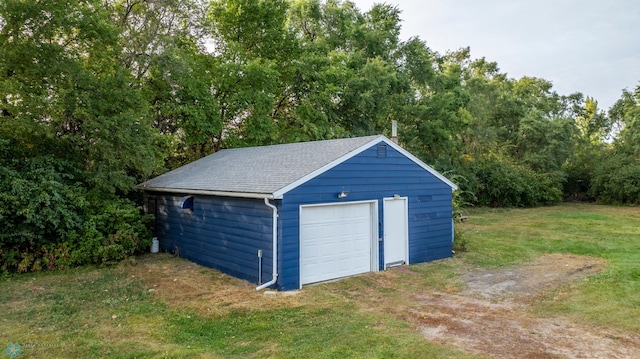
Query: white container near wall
[[155, 245]]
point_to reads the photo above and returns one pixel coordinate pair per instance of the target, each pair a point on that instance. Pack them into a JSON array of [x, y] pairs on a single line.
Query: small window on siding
[[382, 150], [186, 202]]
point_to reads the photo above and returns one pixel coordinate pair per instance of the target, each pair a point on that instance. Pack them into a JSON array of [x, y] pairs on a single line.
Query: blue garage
[[288, 215]]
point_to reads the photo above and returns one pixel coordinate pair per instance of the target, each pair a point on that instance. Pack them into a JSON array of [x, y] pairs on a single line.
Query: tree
[[592, 127], [514, 126], [73, 134], [616, 177], [544, 144], [593, 124], [148, 28], [625, 113], [61, 77]]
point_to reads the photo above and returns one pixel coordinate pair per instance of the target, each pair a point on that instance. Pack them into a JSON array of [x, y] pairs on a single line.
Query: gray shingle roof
[[256, 170]]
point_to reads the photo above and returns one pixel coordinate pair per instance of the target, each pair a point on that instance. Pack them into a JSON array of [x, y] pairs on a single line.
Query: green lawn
[[499, 237], [157, 306]]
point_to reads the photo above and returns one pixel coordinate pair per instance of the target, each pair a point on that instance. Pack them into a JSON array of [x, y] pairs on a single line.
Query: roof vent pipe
[[274, 276], [394, 131]]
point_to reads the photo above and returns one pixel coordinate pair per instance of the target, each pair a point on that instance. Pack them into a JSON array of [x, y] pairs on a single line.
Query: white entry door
[[396, 231], [335, 241]]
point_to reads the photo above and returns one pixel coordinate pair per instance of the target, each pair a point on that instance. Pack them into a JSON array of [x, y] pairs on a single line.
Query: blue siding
[[220, 232], [369, 177], [225, 233]]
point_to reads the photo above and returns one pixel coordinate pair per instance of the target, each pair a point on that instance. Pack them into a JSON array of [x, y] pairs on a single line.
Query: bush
[[499, 183], [39, 205], [115, 233], [50, 222], [617, 180], [461, 241]]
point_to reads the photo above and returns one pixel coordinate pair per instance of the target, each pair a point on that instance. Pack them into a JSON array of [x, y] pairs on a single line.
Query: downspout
[[274, 276]]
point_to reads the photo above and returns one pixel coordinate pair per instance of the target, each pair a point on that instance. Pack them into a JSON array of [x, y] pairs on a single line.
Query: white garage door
[[335, 241]]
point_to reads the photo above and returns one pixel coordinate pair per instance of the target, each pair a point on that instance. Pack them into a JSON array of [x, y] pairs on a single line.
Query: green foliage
[[60, 77], [39, 205], [461, 240], [544, 144], [626, 114], [149, 29], [499, 183], [72, 137], [580, 170], [617, 179], [114, 233], [255, 28]]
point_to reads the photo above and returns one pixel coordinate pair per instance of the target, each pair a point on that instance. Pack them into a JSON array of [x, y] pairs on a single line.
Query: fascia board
[[208, 193]]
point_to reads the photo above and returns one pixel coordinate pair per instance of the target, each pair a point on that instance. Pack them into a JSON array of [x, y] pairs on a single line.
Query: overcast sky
[[584, 46]]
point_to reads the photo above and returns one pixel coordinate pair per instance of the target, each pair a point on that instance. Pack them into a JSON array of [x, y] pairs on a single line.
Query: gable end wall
[[367, 176]]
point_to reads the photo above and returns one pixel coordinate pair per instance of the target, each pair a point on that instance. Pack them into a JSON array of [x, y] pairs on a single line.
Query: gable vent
[[186, 202], [382, 150]]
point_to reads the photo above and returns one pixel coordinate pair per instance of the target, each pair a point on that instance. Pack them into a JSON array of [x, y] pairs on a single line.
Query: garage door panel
[[335, 241]]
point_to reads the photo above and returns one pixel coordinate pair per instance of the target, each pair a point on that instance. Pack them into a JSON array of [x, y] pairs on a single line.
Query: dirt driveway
[[490, 315]]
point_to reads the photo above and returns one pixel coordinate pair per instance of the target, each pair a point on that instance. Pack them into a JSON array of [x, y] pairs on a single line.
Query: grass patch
[[501, 237], [330, 332], [164, 307], [158, 306], [85, 312]]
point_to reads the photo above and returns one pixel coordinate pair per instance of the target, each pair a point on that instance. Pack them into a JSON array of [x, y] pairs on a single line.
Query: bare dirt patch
[[531, 278], [186, 285], [490, 315]]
